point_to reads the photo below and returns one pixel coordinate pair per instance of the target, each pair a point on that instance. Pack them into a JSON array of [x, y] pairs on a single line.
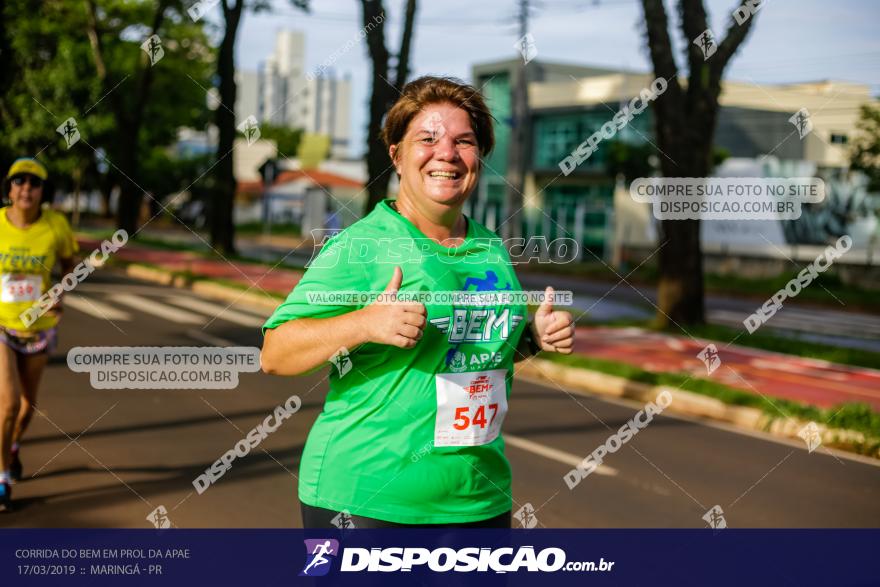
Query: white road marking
[[95, 308], [203, 336], [219, 312], [158, 309], [566, 458]]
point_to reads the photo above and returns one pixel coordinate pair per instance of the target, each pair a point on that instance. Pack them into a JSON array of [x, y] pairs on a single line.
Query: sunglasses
[[33, 180]]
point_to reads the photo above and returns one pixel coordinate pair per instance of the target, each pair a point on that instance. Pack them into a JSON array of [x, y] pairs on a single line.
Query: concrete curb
[[226, 293], [686, 403]]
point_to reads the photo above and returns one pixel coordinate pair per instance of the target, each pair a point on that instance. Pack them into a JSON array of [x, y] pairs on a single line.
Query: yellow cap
[[28, 165]]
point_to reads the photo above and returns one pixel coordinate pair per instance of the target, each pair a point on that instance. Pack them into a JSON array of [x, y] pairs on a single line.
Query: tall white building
[[281, 82], [247, 96], [327, 110], [282, 93]]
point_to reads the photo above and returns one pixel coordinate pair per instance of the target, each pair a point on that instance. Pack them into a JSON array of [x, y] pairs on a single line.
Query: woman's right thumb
[[396, 280]]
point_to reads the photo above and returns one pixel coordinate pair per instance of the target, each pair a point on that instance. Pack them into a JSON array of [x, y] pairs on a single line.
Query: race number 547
[[470, 407], [464, 419]]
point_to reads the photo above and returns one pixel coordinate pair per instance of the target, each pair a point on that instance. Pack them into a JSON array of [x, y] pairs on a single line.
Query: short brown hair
[[421, 92]]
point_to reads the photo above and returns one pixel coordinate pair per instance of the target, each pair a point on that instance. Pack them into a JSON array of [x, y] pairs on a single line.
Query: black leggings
[[323, 518]]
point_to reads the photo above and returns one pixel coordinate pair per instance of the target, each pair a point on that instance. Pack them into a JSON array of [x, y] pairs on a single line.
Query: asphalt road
[[100, 458]]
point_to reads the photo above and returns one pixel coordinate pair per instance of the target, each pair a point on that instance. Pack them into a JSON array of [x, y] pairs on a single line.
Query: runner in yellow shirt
[[32, 239]]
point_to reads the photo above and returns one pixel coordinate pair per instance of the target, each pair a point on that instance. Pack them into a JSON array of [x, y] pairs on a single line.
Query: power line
[[348, 18]]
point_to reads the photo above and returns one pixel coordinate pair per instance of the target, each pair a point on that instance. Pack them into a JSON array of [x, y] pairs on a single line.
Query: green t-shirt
[[413, 435]]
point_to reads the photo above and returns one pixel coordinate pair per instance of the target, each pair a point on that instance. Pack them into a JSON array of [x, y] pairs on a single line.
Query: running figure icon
[[319, 550]]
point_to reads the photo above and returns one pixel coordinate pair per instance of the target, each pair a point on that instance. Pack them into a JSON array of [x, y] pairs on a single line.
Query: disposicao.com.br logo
[[319, 555], [441, 560]]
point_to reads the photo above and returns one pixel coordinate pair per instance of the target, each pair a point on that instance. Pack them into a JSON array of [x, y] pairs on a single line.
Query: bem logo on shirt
[[478, 325]]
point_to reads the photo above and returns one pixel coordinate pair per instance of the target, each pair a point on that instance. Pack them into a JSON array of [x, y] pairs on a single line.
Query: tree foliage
[[287, 139], [865, 149], [84, 60]]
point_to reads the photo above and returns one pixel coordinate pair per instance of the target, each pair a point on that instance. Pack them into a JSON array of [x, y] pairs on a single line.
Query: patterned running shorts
[[29, 343]]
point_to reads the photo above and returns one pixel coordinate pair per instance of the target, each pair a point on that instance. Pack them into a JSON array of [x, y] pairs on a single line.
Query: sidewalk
[[273, 280], [775, 375], [765, 373]]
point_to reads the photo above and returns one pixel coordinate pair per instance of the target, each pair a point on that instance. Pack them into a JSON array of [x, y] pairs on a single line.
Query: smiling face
[[438, 159], [24, 194]]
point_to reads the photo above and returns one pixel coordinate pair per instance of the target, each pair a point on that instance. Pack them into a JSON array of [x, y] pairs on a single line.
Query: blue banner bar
[[199, 558]]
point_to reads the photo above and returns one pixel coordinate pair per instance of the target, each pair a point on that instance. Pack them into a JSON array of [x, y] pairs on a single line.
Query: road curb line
[[211, 289], [686, 403]]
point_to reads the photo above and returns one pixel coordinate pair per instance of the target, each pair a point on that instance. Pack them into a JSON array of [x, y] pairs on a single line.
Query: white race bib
[[21, 287], [470, 407]]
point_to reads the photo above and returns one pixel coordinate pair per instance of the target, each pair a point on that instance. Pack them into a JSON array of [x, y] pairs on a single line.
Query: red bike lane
[[809, 381], [276, 279]]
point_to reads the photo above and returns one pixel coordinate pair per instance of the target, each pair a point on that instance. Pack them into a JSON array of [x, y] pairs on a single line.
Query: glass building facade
[[579, 205]]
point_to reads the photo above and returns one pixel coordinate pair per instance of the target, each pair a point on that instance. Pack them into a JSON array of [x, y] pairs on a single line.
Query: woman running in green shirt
[[410, 433]]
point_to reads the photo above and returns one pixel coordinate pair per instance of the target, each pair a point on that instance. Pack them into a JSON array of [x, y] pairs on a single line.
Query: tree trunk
[[220, 215], [680, 293], [106, 185], [684, 121], [130, 195], [77, 184], [680, 290], [129, 121], [383, 95], [379, 167]]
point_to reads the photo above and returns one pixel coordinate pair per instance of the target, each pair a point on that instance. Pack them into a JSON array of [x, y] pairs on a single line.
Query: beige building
[[568, 103], [752, 115]]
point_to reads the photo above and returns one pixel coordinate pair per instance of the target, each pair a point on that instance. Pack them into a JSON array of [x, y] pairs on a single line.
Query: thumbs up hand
[[396, 279], [553, 329], [399, 324]]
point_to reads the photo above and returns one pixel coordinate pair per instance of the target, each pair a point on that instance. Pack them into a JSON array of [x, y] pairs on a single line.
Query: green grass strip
[[852, 416]]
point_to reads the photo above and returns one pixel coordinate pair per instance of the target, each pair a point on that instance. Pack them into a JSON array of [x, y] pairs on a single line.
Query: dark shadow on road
[[163, 425], [56, 509]]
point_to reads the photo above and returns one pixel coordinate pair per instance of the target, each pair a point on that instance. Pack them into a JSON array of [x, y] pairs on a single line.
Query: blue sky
[[792, 40]]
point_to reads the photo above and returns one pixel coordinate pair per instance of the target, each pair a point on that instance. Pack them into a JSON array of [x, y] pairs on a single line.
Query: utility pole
[[518, 148]]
